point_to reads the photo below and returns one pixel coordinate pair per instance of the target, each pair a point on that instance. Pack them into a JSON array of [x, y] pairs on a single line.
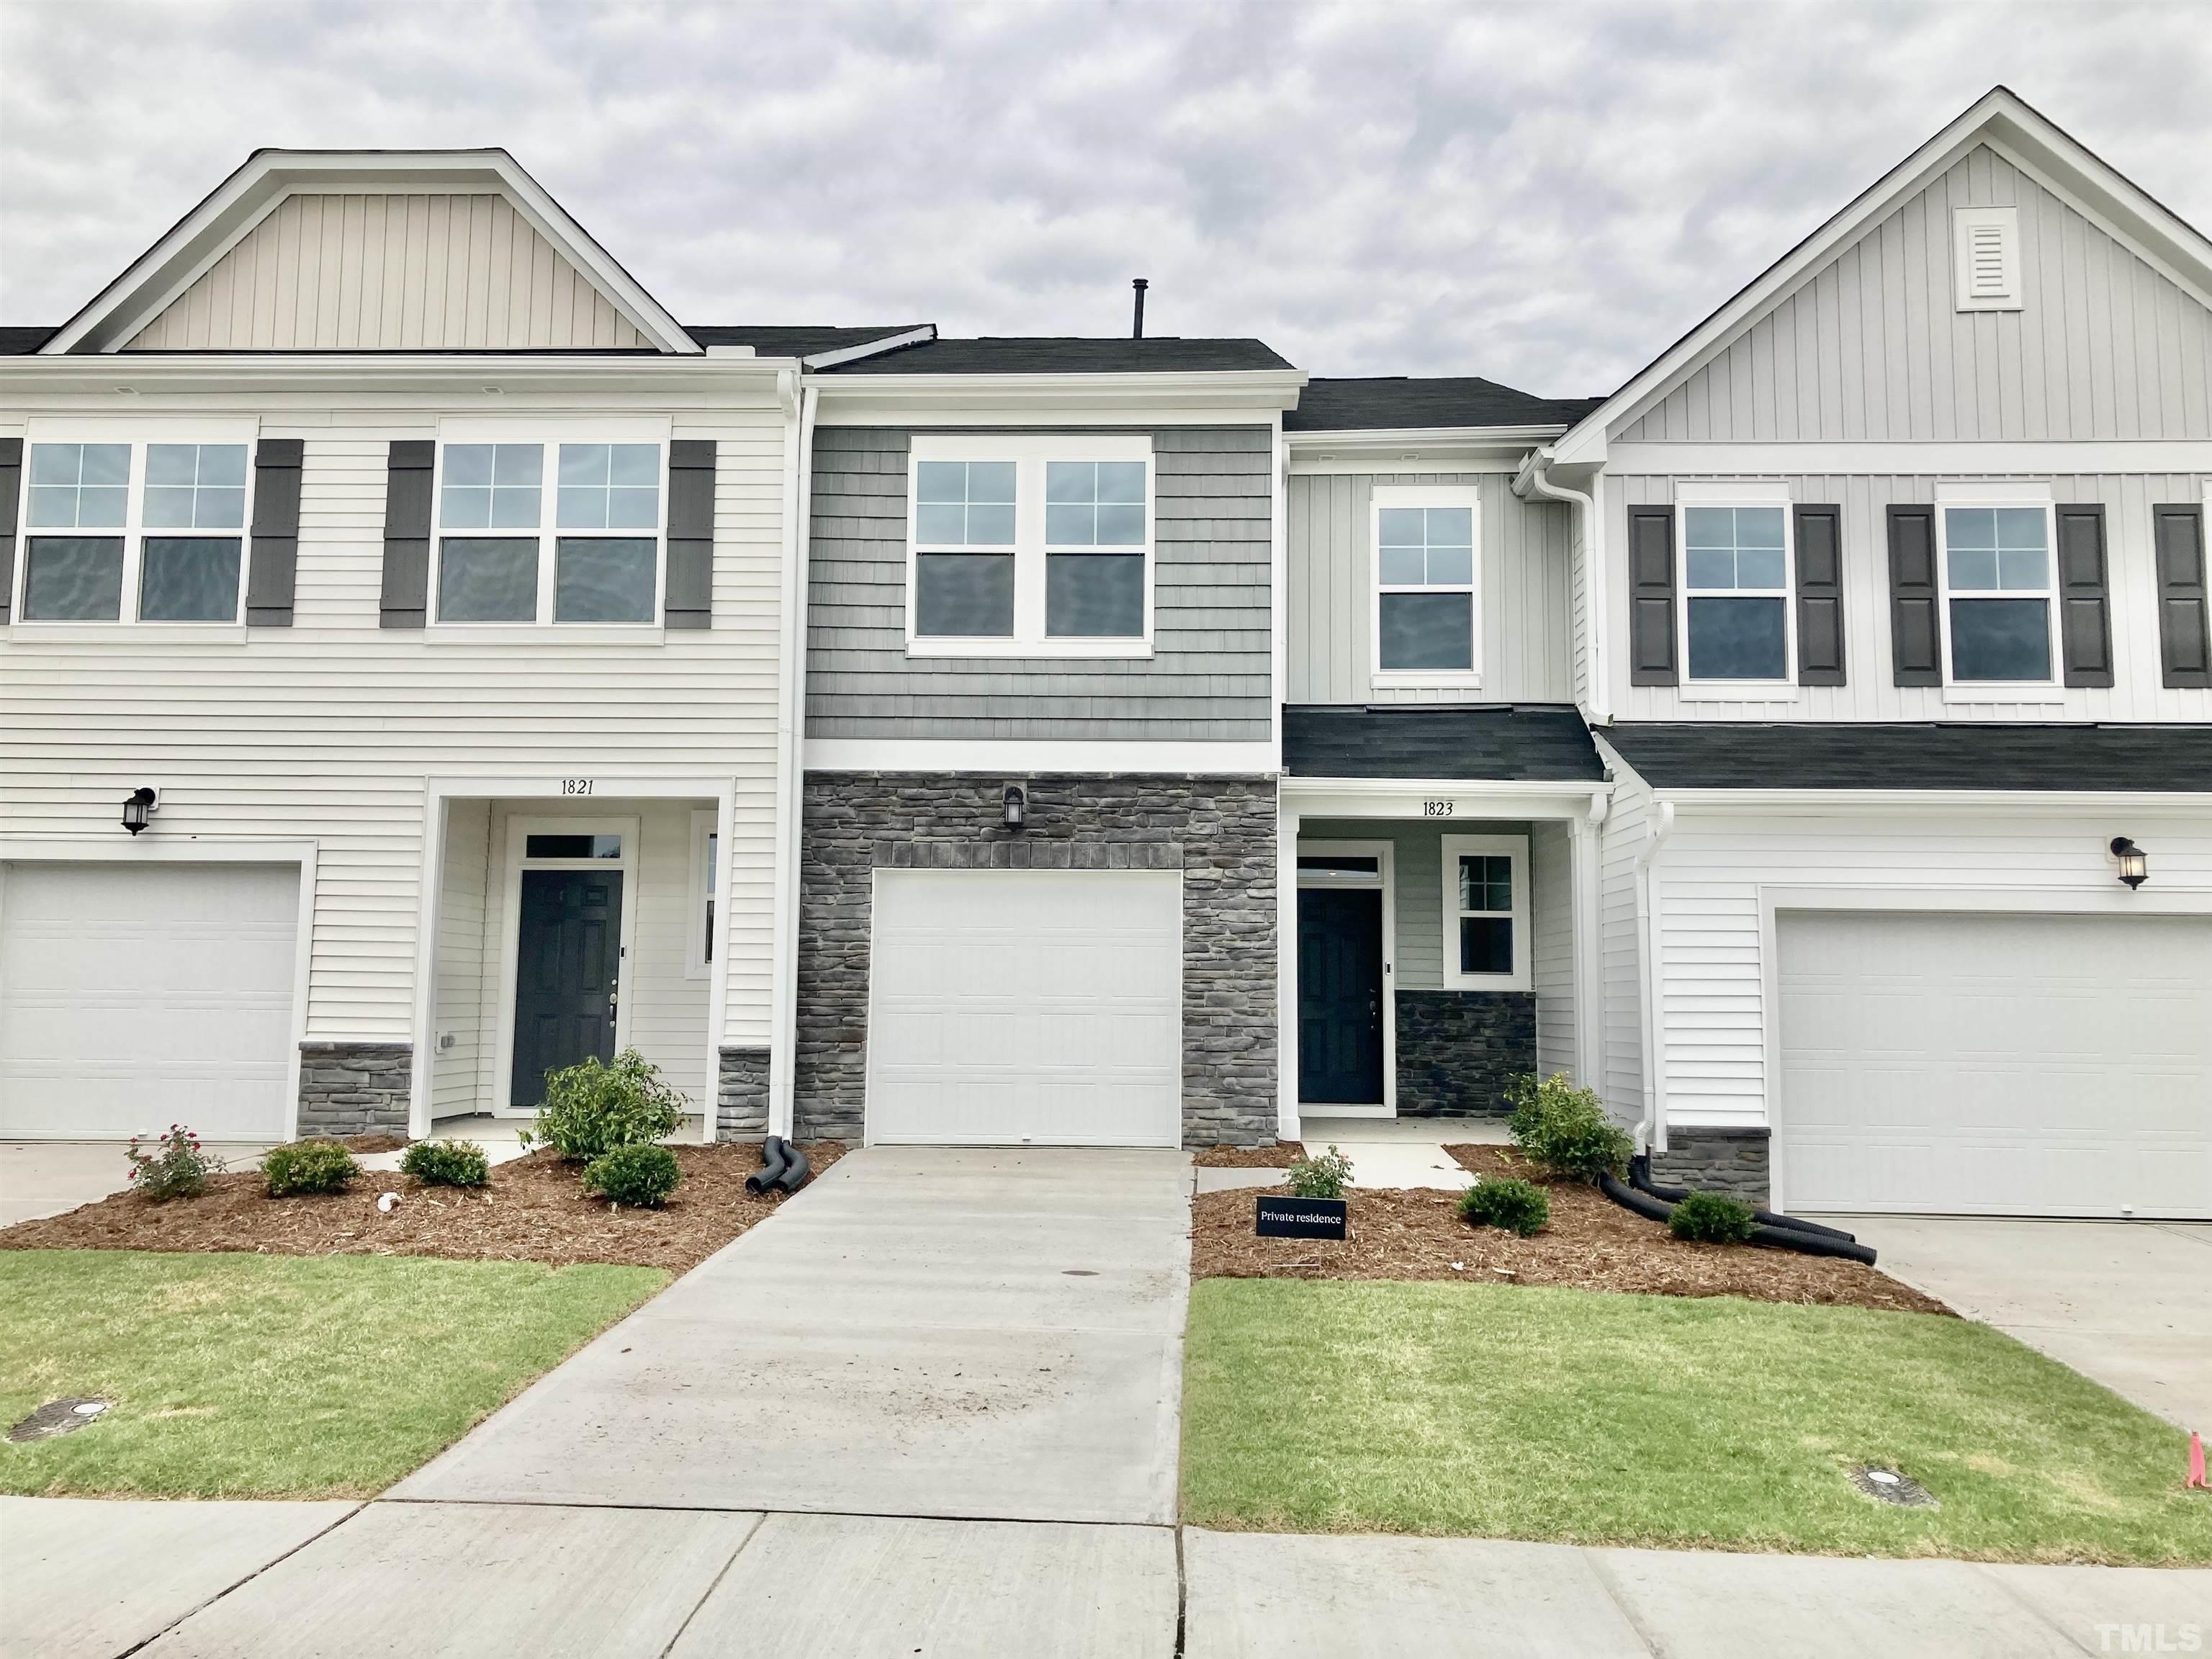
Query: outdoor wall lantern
[[139, 804], [1018, 807], [2135, 864]]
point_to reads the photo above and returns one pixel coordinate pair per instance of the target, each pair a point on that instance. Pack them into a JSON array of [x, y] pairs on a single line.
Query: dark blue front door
[[568, 968], [1340, 996]]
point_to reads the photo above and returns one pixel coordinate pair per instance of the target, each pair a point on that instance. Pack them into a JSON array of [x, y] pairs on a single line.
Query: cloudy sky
[[1544, 195]]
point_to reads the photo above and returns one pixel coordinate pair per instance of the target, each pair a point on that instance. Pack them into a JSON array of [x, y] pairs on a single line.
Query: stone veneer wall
[[1458, 1050], [741, 1095], [355, 1088], [1708, 1159], [1219, 832]]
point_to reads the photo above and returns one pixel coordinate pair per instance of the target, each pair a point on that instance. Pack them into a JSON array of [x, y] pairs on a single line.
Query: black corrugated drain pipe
[[1639, 1176], [1772, 1237], [773, 1164]]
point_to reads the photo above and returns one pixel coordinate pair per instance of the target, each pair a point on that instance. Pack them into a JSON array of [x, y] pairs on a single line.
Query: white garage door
[[1997, 1064], [1011, 1006], [137, 996]]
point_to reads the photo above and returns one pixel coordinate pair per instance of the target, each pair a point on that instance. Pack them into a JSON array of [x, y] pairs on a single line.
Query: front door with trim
[[567, 978], [1340, 996]]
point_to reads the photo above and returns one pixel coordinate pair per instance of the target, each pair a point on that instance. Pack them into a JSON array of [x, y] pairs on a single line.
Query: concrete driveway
[[931, 1332], [2127, 1304]]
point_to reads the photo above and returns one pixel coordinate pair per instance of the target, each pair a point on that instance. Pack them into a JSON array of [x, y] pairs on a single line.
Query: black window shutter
[[2184, 637], [407, 532], [1651, 596], [1915, 623], [272, 571], [11, 482], [2085, 626], [690, 534], [1819, 536]]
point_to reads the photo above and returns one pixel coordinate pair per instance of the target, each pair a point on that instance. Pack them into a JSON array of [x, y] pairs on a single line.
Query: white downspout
[[1598, 704], [791, 757], [1652, 1131]]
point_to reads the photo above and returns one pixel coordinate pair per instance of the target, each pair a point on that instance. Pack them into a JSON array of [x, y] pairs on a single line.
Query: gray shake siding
[[1207, 679]]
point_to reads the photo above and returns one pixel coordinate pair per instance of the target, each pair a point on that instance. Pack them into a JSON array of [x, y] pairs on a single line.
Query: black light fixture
[[1018, 807], [139, 804], [2133, 862]]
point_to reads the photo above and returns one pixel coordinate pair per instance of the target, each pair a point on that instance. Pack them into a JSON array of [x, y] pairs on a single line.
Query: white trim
[[1469, 799], [876, 348], [1771, 497], [2000, 802], [2049, 690], [2034, 459], [1585, 877], [1514, 848], [1386, 881], [697, 963], [1384, 496], [402, 381], [1966, 224], [718, 987], [1649, 939], [1254, 759], [1278, 568], [153, 848], [518, 828], [1031, 454], [1994, 492], [791, 757], [1225, 398]]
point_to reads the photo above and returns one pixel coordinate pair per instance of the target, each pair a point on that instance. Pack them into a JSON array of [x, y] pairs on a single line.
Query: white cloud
[[1544, 196]]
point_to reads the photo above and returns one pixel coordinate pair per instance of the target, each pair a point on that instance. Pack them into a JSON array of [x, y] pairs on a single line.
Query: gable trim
[[227, 215]]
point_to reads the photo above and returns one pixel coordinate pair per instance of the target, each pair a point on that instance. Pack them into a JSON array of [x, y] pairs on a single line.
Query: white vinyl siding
[[1551, 946], [327, 731], [362, 273]]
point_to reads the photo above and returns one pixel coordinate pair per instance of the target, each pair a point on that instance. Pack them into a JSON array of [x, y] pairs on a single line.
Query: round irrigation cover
[[58, 1416], [1891, 1486]]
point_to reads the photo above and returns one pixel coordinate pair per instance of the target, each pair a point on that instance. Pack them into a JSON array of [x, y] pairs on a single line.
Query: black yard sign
[[1300, 1218]]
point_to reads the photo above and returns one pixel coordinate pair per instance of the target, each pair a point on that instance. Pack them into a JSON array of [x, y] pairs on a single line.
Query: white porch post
[[1583, 842], [423, 1061]]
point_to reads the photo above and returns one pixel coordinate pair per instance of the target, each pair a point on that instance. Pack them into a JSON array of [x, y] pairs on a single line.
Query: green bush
[[1321, 1177], [1518, 1206], [446, 1163], [1565, 1129], [640, 1176], [307, 1166], [179, 1170], [1712, 1219], [592, 1109]]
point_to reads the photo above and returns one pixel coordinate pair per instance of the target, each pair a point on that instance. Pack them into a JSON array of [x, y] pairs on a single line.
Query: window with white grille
[[1986, 253]]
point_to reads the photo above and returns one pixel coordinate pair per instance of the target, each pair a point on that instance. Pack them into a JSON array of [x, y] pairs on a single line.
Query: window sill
[[119, 633], [1389, 680], [480, 634], [1057, 648], [1738, 691], [2004, 691]]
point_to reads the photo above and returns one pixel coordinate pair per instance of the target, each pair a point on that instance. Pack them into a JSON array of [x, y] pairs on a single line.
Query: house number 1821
[[1438, 808], [575, 786]]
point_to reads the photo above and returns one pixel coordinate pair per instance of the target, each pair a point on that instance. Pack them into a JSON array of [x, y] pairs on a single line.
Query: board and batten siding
[[1207, 680], [421, 272], [327, 730], [1710, 872], [1872, 347], [1867, 693], [1527, 641]]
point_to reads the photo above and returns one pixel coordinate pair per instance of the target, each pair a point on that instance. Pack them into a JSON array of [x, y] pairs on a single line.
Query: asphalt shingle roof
[[1047, 355], [1386, 403], [1519, 742]]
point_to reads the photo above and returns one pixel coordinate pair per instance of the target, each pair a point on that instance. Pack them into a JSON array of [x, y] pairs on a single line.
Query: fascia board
[[364, 376], [1403, 437], [962, 399]]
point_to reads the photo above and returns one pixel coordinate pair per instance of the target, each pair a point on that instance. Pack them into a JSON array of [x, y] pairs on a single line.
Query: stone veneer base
[[1457, 1050], [355, 1088], [741, 1095], [1708, 1159]]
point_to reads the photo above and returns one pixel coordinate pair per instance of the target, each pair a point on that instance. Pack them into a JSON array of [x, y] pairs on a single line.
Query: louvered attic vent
[[1985, 252]]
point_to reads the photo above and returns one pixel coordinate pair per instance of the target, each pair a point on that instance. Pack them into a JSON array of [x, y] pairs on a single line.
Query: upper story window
[[1736, 592], [1030, 545], [1427, 610], [1998, 579], [538, 531], [135, 531]]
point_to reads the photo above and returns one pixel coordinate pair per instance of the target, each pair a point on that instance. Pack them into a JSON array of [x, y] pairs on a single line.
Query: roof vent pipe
[[1137, 326]]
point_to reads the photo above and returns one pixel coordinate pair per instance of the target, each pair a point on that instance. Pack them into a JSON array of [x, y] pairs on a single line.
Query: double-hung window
[[530, 531], [125, 530], [1029, 545], [1998, 592], [1427, 614], [1486, 918], [1736, 592]]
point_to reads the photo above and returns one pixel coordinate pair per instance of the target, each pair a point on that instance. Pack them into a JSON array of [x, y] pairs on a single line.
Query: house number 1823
[[575, 786], [1438, 808]]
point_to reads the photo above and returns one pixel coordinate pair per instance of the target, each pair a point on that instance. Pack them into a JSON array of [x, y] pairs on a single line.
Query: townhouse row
[[426, 662]]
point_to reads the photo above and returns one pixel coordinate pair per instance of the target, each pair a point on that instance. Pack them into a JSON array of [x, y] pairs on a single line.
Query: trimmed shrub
[[1712, 1219], [179, 1170], [446, 1163], [1565, 1129], [642, 1177], [1321, 1176], [1516, 1205], [307, 1166], [591, 1110]]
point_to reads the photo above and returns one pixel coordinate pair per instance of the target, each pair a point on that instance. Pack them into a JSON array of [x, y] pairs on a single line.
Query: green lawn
[[1589, 1418], [267, 1377]]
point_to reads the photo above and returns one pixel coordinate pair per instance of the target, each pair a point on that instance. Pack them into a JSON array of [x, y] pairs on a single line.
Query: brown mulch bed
[[1280, 1156], [533, 1209], [1592, 1245], [380, 1142]]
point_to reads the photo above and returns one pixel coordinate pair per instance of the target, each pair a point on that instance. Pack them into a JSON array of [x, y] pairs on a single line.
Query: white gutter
[[1652, 1131], [790, 762], [1536, 479]]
